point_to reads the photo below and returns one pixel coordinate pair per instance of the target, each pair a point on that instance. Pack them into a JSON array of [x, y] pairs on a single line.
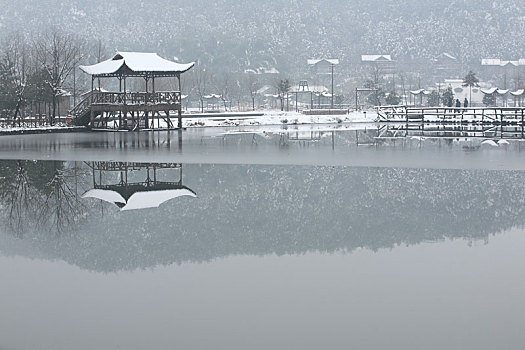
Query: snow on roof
[[420, 91], [105, 195], [153, 199], [501, 63], [138, 200], [502, 92], [519, 92], [313, 62], [489, 91], [262, 70], [212, 96], [138, 62], [375, 58], [309, 88], [490, 62], [490, 143]]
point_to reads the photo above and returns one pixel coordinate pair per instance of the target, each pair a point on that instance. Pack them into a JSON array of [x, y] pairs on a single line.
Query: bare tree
[[15, 63], [222, 85], [252, 84], [57, 53], [283, 86], [200, 84]]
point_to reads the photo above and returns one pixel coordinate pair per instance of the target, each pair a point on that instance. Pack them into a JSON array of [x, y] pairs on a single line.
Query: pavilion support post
[[153, 86], [124, 111], [91, 113], [154, 98], [146, 101], [179, 109], [120, 111]]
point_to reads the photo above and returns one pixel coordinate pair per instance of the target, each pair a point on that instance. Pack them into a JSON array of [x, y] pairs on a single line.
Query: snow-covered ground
[[269, 118], [280, 118], [39, 129]]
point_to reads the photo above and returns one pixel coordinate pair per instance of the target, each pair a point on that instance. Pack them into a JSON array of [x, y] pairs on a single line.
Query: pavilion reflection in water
[[128, 194]]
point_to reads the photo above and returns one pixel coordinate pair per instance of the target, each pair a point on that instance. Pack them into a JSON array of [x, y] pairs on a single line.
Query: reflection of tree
[[60, 208], [20, 197], [38, 195]]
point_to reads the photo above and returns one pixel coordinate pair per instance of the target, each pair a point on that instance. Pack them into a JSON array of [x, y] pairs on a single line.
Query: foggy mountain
[[228, 35]]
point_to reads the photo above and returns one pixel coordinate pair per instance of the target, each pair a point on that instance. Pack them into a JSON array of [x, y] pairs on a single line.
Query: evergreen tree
[[448, 97], [392, 99], [489, 100], [38, 90], [470, 80], [434, 99]]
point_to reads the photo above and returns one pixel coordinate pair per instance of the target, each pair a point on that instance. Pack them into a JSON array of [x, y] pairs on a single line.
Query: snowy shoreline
[[277, 118], [271, 118]]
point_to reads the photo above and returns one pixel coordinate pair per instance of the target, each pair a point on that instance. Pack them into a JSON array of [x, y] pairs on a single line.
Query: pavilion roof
[[137, 197], [137, 64]]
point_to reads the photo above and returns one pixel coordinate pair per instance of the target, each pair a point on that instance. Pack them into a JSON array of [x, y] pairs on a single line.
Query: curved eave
[[115, 68]]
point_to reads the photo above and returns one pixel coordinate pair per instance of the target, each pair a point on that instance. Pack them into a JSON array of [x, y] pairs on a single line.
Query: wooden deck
[[128, 111], [452, 115]]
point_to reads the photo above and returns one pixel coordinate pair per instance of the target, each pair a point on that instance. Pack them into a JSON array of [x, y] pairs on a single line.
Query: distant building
[[445, 66], [504, 73], [461, 92], [383, 62], [322, 66], [265, 75]]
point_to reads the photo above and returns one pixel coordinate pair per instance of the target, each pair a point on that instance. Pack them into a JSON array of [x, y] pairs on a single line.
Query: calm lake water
[[291, 239]]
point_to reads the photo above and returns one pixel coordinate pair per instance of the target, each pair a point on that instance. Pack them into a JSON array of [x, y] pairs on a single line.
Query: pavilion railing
[[135, 98]]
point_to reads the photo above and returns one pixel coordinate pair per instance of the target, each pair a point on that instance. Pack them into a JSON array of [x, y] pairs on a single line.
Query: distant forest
[[232, 35]]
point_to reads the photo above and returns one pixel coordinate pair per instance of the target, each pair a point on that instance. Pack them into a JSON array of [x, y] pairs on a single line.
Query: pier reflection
[[128, 194]]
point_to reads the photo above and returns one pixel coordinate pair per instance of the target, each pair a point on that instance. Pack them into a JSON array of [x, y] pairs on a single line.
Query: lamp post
[[332, 103]]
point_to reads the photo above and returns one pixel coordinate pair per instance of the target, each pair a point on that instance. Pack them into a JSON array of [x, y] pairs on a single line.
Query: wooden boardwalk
[[452, 115]]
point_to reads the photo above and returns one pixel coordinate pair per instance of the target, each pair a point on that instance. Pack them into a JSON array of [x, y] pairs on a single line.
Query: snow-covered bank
[[40, 130], [272, 118], [279, 118]]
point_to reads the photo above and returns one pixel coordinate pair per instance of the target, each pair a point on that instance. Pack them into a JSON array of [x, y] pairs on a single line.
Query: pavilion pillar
[[146, 112], [120, 111], [91, 113], [124, 111], [154, 99], [179, 121]]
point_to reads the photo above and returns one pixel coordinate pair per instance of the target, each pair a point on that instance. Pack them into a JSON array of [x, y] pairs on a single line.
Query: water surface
[[263, 253]]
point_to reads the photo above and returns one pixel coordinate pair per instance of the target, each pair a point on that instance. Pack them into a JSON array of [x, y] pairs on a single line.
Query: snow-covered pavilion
[[132, 110]]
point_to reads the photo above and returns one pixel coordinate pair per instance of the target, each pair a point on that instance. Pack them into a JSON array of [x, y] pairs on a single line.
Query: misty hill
[[232, 35]]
